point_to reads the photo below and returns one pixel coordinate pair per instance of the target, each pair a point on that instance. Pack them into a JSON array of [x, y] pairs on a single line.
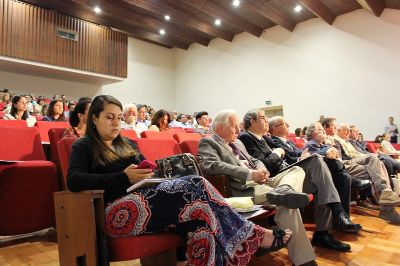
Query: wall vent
[[68, 34]]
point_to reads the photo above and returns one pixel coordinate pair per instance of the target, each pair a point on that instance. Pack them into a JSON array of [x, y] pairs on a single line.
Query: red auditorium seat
[[44, 127], [299, 142], [82, 214], [55, 134], [373, 147], [154, 149], [396, 146], [179, 137], [189, 146], [189, 130], [156, 135], [27, 186], [131, 134], [173, 130], [13, 123]]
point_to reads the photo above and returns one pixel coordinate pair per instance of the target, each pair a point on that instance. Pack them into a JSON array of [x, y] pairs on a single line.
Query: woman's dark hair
[[104, 155], [50, 111], [158, 115], [80, 108], [14, 110], [297, 132], [379, 138]]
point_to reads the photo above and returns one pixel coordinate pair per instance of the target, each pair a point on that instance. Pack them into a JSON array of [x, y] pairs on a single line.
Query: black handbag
[[179, 165]]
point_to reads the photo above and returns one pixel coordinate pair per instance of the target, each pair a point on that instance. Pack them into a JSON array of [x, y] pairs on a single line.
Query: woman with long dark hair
[[19, 111], [160, 121], [189, 206], [78, 120], [55, 113]]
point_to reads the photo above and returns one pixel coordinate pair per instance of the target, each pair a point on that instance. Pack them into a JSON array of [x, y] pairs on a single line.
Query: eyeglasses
[[23, 102]]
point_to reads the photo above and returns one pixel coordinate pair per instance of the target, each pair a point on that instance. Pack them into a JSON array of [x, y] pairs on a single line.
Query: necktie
[[237, 151]]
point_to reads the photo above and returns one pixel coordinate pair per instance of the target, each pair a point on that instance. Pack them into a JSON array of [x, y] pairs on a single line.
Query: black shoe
[[360, 184], [285, 195], [326, 240], [344, 224]]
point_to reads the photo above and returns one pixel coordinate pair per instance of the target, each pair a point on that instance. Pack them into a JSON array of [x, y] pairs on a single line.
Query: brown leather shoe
[[368, 204]]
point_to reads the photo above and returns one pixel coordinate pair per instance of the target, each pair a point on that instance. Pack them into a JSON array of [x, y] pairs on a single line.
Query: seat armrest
[[221, 183], [80, 227]]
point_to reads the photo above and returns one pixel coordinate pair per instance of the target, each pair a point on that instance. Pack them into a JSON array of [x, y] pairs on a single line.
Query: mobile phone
[[145, 164]]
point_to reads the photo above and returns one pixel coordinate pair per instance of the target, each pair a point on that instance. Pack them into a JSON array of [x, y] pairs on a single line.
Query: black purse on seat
[[179, 165]]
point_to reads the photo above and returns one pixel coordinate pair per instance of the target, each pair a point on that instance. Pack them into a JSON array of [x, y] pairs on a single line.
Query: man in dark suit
[[318, 179], [224, 154]]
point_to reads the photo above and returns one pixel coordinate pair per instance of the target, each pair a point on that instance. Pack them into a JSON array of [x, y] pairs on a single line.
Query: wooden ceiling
[[192, 21]]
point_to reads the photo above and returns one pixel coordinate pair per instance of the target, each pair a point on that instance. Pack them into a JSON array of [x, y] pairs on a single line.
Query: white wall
[[349, 70], [150, 76]]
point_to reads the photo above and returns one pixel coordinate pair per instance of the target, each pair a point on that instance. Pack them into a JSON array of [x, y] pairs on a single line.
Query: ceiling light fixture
[[217, 22], [167, 17], [97, 10], [162, 32], [298, 8], [236, 3]]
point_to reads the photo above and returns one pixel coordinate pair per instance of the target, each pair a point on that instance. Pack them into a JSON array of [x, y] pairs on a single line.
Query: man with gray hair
[[224, 154], [318, 180], [129, 112]]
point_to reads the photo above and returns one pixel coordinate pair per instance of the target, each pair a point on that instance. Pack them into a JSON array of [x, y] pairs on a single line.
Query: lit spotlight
[[167, 17], [162, 32], [217, 22], [298, 8], [97, 10], [236, 3]]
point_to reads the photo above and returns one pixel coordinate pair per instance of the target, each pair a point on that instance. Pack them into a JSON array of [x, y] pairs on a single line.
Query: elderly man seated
[[318, 178], [224, 154], [130, 118], [324, 144]]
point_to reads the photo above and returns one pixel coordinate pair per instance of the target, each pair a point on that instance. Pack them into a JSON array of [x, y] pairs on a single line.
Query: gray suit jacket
[[218, 159]]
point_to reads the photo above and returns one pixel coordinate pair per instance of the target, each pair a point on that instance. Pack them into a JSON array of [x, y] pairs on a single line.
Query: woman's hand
[[135, 174]]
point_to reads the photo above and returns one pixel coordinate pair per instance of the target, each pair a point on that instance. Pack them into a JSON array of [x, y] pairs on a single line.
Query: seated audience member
[[386, 146], [142, 121], [45, 109], [160, 121], [37, 109], [365, 168], [130, 118], [103, 159], [71, 106], [5, 101], [78, 120], [19, 111], [184, 121], [173, 122], [224, 154], [202, 123], [30, 103], [55, 113], [392, 165], [84, 98]]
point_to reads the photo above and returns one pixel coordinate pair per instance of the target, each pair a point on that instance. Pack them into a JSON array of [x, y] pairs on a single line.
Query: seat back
[[64, 150], [45, 126], [13, 123], [55, 134], [131, 134], [156, 135], [189, 146], [173, 130], [373, 147], [154, 149], [396, 146], [179, 137], [21, 144], [300, 142]]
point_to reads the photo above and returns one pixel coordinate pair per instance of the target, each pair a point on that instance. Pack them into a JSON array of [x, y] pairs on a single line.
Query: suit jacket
[[218, 159], [292, 153], [260, 150]]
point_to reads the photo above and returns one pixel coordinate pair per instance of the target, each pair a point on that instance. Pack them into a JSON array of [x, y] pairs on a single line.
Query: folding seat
[[179, 137], [190, 146], [156, 135], [55, 134], [81, 232], [189, 130], [45, 126], [154, 149], [373, 147], [131, 134], [13, 123], [27, 186], [396, 146], [174, 130]]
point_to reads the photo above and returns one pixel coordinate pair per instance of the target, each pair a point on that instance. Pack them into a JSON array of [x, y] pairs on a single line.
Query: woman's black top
[[83, 175]]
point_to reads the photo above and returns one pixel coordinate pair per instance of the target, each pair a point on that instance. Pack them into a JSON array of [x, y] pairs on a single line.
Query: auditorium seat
[[396, 146], [45, 126], [80, 219], [156, 135], [154, 149], [27, 186], [173, 130], [131, 134], [179, 137], [373, 147], [55, 134], [13, 123], [189, 146]]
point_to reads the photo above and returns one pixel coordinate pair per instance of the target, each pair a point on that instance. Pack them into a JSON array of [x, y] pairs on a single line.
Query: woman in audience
[[55, 113], [78, 119], [188, 206], [45, 108], [19, 111], [160, 121], [37, 109], [5, 101], [387, 147]]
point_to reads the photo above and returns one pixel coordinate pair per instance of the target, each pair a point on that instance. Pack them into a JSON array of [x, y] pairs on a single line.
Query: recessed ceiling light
[[236, 3], [217, 22], [97, 10], [162, 32], [167, 17], [298, 8]]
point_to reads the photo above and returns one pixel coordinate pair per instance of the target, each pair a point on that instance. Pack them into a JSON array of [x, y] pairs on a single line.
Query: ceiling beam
[[216, 11], [74, 10], [319, 9], [180, 17], [376, 7], [273, 14]]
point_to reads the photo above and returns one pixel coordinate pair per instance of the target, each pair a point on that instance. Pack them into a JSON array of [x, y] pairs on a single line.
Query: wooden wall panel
[[29, 32]]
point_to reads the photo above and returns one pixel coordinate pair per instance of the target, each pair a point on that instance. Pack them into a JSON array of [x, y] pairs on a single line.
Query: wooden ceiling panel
[[192, 21]]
